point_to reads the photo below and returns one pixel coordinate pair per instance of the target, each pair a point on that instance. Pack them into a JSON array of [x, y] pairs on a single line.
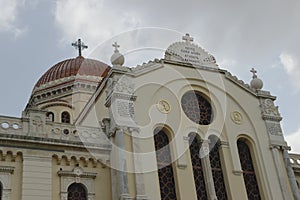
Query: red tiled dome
[[73, 67]]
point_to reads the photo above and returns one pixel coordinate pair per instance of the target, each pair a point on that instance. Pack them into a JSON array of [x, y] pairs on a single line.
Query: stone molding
[[77, 172], [7, 169], [5, 179], [77, 176], [269, 110]]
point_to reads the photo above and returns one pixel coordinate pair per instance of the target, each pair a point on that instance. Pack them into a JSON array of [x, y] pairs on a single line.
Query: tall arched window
[[216, 168], [195, 146], [77, 191], [1, 190], [164, 165], [248, 170], [65, 117]]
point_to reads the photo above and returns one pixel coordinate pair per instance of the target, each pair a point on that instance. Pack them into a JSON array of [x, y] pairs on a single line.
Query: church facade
[[173, 128]]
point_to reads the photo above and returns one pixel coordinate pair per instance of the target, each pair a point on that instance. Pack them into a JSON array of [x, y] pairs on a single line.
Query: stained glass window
[[197, 108], [195, 146], [216, 168], [248, 171], [65, 117], [1, 188], [164, 165], [76, 191]]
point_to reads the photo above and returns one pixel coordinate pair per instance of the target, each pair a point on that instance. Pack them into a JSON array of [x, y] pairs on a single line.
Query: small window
[[50, 116], [65, 117]]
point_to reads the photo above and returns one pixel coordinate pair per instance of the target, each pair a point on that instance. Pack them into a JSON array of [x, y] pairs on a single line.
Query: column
[[280, 172], [122, 166], [291, 175], [138, 166], [209, 181]]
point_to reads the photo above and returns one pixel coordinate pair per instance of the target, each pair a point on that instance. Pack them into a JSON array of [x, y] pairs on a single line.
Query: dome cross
[[187, 38], [80, 46]]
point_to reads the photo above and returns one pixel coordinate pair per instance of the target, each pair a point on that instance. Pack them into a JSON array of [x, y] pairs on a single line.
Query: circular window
[[197, 108]]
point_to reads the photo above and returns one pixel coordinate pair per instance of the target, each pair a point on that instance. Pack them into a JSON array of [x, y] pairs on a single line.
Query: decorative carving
[[163, 106], [120, 85], [187, 52], [5, 179], [269, 110], [77, 175], [236, 117], [37, 124], [274, 128]]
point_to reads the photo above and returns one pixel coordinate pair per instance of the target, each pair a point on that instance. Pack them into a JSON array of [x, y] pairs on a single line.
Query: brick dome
[[73, 67]]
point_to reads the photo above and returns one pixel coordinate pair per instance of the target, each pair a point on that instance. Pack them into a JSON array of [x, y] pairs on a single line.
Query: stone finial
[[117, 59], [187, 38], [256, 83]]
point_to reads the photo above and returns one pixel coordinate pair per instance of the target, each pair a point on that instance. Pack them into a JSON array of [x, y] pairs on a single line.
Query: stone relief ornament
[[236, 117], [188, 52], [269, 110], [274, 128], [163, 106], [120, 85]]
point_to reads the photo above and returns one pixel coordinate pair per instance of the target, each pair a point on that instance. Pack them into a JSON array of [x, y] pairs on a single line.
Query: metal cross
[[187, 38], [254, 73], [116, 46], [80, 46]]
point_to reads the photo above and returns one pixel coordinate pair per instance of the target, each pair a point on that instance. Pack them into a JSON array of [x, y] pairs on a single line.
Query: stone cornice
[[74, 174], [7, 169], [49, 141]]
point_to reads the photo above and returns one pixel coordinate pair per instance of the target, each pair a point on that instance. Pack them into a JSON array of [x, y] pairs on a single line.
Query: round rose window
[[197, 108]]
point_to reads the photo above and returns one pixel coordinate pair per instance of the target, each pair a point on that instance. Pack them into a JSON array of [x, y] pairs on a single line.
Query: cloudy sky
[[34, 35]]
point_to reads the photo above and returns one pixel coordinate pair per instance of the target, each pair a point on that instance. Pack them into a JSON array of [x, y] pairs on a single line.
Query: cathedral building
[[179, 127]]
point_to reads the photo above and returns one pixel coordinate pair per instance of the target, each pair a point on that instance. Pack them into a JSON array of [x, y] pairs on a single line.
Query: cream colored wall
[[97, 112], [253, 128]]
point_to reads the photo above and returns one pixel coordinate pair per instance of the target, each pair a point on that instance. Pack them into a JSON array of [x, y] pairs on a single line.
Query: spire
[[80, 46]]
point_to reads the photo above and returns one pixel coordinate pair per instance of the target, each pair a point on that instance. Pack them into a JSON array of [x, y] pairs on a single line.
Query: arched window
[[77, 191], [50, 115], [65, 117], [248, 170], [216, 168], [1, 190], [195, 146], [164, 165]]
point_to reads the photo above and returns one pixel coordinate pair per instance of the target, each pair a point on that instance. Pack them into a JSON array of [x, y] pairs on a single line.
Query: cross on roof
[[187, 38], [254, 72], [116, 46], [80, 46]]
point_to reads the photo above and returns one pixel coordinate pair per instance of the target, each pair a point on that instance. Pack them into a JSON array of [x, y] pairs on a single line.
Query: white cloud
[[293, 140], [291, 66], [92, 20], [8, 16], [288, 62]]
